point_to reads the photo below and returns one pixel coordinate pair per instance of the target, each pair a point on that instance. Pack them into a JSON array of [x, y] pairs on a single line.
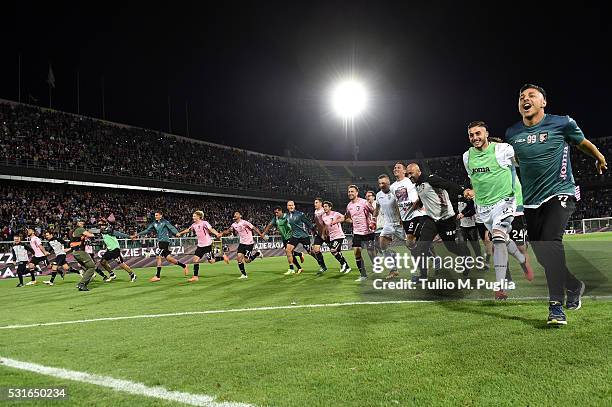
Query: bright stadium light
[[349, 99]]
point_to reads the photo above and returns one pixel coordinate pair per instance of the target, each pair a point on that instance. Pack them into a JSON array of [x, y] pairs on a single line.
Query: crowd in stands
[[58, 208], [57, 140], [594, 204]]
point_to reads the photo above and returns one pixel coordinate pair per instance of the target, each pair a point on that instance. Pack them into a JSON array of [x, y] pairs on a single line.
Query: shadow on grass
[[493, 309]]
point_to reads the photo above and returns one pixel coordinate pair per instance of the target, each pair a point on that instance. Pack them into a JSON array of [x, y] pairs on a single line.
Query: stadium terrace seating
[[43, 138], [58, 208], [52, 142]]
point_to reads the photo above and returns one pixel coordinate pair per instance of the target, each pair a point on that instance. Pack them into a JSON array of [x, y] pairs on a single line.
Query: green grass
[[470, 353]]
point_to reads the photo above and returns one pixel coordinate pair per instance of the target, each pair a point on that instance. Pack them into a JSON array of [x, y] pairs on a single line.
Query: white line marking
[[220, 311], [270, 308], [122, 385]]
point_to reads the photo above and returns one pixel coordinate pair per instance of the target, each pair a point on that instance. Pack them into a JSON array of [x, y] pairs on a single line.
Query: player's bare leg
[[178, 263]]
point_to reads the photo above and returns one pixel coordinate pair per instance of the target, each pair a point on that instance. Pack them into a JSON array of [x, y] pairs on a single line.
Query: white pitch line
[[220, 311], [270, 308], [122, 385]]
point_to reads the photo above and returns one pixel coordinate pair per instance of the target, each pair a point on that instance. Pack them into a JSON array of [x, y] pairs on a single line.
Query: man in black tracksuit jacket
[[435, 195]]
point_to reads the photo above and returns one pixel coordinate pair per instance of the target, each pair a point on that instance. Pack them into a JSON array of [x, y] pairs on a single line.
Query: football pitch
[[276, 340]]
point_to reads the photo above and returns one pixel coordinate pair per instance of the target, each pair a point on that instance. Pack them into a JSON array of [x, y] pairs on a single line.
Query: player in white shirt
[[406, 195], [387, 205]]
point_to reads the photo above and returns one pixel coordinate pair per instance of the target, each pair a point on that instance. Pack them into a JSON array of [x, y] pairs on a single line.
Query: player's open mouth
[[526, 106]]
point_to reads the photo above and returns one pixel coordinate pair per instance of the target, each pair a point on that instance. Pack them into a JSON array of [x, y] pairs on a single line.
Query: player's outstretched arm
[[174, 231], [451, 187], [148, 230], [592, 151], [120, 235], [182, 232], [267, 228], [214, 232], [307, 222], [226, 232], [256, 230]]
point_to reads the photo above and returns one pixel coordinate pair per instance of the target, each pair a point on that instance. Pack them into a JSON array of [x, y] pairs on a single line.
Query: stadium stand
[[36, 205], [56, 141], [38, 142]]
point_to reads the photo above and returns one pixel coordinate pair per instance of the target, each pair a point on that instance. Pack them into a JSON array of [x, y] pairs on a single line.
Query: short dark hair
[[278, 208], [478, 123], [532, 86], [319, 199], [400, 162], [371, 192], [383, 176], [354, 186], [160, 212], [331, 205]]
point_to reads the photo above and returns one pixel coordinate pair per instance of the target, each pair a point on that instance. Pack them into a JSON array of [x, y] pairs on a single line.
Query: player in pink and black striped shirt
[[203, 230], [246, 252], [359, 212]]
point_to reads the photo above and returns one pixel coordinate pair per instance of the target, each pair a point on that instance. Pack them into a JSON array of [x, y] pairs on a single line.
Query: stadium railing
[[33, 169]]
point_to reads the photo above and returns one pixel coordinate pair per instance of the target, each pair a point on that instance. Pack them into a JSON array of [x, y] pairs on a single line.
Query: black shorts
[[519, 230], [304, 241], [22, 267], [335, 245], [447, 229], [469, 233], [413, 226], [482, 230], [318, 241], [359, 240], [163, 249], [204, 252], [246, 248], [59, 260], [40, 259], [114, 254]]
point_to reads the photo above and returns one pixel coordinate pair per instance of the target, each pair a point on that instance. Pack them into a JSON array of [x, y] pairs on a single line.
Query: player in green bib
[[113, 251], [542, 146], [490, 168], [518, 234], [281, 223]]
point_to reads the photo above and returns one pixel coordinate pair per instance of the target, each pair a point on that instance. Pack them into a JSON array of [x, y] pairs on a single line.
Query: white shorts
[[391, 230], [493, 216]]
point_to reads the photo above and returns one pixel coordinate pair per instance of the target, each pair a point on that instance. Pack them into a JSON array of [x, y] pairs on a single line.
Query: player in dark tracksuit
[[162, 229], [541, 144], [434, 194]]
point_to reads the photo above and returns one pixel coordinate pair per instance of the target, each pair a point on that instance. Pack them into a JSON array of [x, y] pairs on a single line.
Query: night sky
[[257, 75]]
